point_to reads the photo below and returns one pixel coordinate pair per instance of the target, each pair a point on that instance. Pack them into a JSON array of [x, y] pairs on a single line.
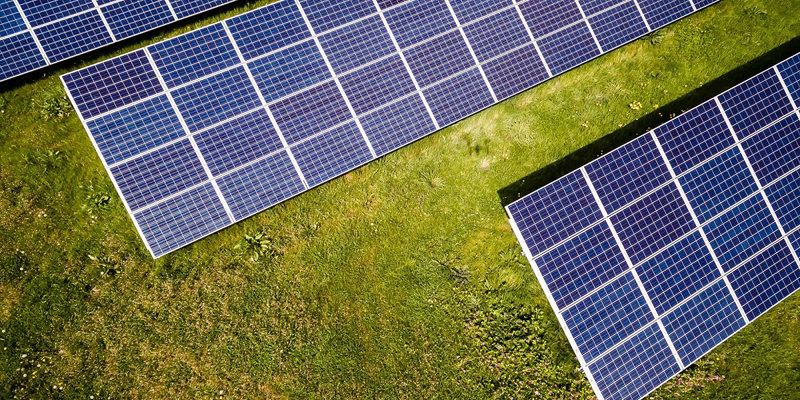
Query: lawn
[[401, 279]]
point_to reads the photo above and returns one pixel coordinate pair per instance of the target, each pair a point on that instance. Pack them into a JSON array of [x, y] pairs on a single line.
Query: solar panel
[[325, 87], [658, 251], [36, 33]]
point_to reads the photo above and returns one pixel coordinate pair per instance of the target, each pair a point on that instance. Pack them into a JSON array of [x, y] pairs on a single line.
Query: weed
[[656, 37], [54, 106], [97, 202], [108, 265], [257, 244], [461, 274], [46, 159], [755, 11]]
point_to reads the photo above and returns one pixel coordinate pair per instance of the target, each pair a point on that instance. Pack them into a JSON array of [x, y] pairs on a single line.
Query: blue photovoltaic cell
[[419, 20], [678, 272], [766, 279], [182, 219], [607, 317], [703, 322], [377, 84], [547, 16], [652, 222], [384, 4], [310, 112], [514, 72], [325, 15], [636, 367], [10, 20], [776, 150], [193, 55], [112, 84], [289, 70], [131, 17], [331, 154], [468, 10], [785, 199], [662, 12], [260, 185], [703, 3], [591, 7], [43, 11], [398, 124], [756, 103], [618, 26], [496, 34], [216, 98], [718, 184], [794, 238], [357, 44], [439, 58], [19, 54], [185, 8], [691, 138], [581, 264], [741, 232], [73, 36], [129, 131], [790, 72], [268, 28], [628, 172], [458, 97], [156, 175], [555, 212], [238, 141], [568, 48]]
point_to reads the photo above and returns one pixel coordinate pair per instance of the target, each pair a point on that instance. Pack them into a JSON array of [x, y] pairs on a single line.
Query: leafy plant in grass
[[97, 202], [257, 245], [108, 266], [47, 159], [54, 106]]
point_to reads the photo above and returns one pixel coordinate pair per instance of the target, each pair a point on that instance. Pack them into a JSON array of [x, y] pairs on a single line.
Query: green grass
[[401, 279]]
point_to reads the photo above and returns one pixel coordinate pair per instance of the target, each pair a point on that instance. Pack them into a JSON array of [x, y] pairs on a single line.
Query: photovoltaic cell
[[439, 58], [718, 184], [130, 17], [357, 44], [776, 150], [581, 264], [652, 223], [186, 8], [785, 200], [678, 272], [458, 97], [766, 279], [10, 19], [546, 16], [132, 130], [704, 3], [742, 232], [40, 12], [184, 218], [468, 10], [607, 316], [694, 136], [555, 212], [591, 7], [325, 15], [19, 54], [514, 72], [627, 173], [756, 103], [419, 20], [194, 55], [398, 124], [70, 37], [268, 28], [497, 34], [703, 322], [331, 153], [636, 367], [663, 12], [262, 184], [237, 142], [790, 72], [216, 98], [311, 112], [618, 25], [290, 70], [377, 84], [568, 48]]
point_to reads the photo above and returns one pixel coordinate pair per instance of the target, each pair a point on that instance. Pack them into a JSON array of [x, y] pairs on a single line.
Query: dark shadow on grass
[[76, 62], [578, 158]]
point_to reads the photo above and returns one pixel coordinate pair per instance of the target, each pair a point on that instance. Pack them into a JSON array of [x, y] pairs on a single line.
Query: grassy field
[[399, 280]]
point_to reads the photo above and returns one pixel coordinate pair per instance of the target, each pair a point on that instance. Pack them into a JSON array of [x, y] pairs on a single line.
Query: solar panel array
[[210, 127], [37, 33], [655, 253]]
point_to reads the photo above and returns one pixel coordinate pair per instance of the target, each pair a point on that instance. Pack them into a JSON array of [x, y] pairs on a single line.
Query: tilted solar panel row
[[288, 96], [658, 251], [37, 33]]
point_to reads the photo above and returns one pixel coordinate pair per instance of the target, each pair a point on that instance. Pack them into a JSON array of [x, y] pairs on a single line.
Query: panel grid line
[[700, 228], [277, 128], [171, 9], [633, 271], [191, 139], [471, 50], [336, 79]]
